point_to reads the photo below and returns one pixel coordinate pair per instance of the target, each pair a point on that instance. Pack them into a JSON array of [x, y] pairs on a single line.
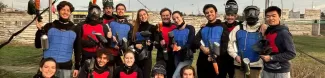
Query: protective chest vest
[[165, 31], [102, 75], [121, 29], [181, 36], [211, 34], [271, 37], [60, 44], [132, 75], [139, 37], [90, 30], [245, 42]]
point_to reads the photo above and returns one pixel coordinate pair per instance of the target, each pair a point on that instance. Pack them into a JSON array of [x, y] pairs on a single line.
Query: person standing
[[142, 43], [227, 66], [61, 41], [214, 32], [277, 65], [121, 28], [164, 28], [241, 41], [108, 15], [183, 37], [86, 31]]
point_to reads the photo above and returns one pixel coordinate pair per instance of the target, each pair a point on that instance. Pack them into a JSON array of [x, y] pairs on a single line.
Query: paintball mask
[[251, 14], [231, 7], [94, 13]]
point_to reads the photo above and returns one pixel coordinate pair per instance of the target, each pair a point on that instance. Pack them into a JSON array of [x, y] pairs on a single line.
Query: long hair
[[137, 23]]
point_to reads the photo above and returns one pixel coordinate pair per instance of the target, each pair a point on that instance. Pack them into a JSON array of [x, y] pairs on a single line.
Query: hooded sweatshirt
[[283, 49]]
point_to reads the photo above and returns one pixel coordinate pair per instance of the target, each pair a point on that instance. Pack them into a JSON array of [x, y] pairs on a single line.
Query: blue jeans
[[179, 65], [63, 73]]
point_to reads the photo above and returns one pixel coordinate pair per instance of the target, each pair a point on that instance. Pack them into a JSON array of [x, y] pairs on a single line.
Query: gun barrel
[[101, 39]]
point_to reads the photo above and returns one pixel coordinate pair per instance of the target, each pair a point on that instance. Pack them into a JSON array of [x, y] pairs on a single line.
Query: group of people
[[108, 46]]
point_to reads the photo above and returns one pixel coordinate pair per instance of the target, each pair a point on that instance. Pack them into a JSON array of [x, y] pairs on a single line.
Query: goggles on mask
[[231, 8], [251, 12]]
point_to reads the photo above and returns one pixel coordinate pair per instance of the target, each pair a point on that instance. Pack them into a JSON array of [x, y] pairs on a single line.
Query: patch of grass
[[22, 55], [309, 44], [304, 66], [154, 56], [7, 74], [322, 32], [19, 55], [14, 55]]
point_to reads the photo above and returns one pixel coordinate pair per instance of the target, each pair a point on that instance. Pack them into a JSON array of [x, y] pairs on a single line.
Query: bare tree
[[2, 6]]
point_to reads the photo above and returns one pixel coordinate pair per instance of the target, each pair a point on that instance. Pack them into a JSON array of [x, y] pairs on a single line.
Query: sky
[[187, 6]]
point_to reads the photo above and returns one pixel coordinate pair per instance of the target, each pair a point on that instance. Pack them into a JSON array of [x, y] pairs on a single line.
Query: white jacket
[[232, 47]]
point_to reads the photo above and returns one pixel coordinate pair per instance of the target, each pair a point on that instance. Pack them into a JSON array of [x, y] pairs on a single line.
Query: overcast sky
[[187, 6]]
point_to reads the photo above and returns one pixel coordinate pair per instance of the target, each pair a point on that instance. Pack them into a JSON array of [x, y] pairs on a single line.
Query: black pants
[[204, 67], [226, 66], [145, 65], [170, 68], [85, 56]]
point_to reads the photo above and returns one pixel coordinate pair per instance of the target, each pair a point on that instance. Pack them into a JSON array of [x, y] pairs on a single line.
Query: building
[[302, 16], [312, 14], [285, 14], [294, 15]]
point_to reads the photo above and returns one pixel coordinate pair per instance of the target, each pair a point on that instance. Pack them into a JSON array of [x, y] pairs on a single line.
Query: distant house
[[302, 16], [8, 10], [294, 15], [312, 14]]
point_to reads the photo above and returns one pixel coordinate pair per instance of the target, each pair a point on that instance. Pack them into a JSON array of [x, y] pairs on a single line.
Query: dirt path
[[20, 69]]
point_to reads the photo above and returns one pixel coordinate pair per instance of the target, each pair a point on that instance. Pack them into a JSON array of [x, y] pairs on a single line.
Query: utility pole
[[282, 9], [129, 4], [266, 3], [50, 11]]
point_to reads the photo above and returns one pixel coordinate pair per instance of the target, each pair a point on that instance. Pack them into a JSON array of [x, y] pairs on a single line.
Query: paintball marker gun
[[214, 48], [164, 47], [124, 47], [145, 37], [101, 40], [34, 9], [172, 39], [244, 64], [214, 53], [91, 65], [262, 47]]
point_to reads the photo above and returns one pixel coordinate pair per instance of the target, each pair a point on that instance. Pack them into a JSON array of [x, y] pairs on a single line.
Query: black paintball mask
[[231, 7], [94, 13], [251, 14]]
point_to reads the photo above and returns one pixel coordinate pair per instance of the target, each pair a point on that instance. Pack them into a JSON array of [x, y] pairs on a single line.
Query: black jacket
[[187, 51], [223, 42], [59, 25], [285, 45]]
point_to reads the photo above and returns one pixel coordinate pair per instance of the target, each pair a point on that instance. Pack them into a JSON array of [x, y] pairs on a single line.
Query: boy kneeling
[[99, 69]]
